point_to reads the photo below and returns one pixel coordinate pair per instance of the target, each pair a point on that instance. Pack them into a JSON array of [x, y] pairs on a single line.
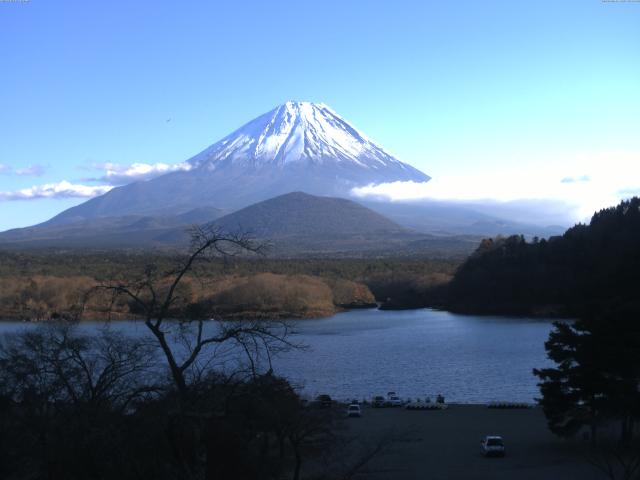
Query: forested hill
[[589, 267]]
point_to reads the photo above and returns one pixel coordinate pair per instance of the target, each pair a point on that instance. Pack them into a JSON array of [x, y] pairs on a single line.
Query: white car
[[393, 400], [354, 410], [492, 446]]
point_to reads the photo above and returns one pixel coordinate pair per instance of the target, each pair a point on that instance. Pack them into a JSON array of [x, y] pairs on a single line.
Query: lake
[[361, 353]]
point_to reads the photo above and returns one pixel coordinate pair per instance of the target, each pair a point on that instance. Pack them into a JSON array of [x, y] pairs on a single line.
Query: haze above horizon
[[498, 101]]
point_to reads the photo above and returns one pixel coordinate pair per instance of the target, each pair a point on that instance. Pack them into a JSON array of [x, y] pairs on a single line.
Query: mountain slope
[[298, 146], [122, 231], [293, 225], [299, 214], [455, 218], [299, 132], [299, 224]]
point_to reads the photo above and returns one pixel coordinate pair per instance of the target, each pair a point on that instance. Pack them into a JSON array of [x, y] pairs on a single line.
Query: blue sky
[[496, 99]]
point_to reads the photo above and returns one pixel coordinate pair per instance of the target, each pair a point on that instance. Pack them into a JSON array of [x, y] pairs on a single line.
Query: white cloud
[[609, 179], [117, 174], [62, 189], [31, 171]]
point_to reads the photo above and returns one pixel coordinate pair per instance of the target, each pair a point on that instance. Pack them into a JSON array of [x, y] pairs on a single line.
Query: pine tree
[[597, 377]]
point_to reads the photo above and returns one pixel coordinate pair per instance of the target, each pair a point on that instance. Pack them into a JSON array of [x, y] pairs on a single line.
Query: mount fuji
[[298, 146], [246, 180]]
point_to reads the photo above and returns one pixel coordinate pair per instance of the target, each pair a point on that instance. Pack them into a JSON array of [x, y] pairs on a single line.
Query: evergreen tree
[[590, 266], [597, 377]]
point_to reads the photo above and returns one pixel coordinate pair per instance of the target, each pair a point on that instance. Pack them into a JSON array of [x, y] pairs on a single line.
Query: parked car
[[492, 446], [393, 400], [378, 401], [324, 401], [354, 410]]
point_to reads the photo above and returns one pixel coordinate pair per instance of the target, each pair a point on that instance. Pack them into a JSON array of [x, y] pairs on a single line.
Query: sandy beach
[[446, 445]]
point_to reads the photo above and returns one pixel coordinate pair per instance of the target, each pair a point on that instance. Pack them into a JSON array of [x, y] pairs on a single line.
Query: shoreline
[[313, 315], [248, 316]]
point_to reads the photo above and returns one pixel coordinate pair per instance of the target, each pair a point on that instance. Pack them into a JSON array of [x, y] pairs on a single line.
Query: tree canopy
[[590, 266], [596, 379]]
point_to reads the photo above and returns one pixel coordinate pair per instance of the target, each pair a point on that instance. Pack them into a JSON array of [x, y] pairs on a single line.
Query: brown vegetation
[[42, 297], [37, 286], [289, 296], [263, 295]]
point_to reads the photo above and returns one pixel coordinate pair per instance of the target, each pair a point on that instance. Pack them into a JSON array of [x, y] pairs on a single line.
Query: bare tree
[[156, 295], [64, 394], [56, 363]]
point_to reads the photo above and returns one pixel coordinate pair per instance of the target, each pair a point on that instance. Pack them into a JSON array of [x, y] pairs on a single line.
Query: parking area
[[445, 444]]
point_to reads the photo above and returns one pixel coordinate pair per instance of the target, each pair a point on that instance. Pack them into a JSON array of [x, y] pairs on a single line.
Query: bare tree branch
[[158, 304]]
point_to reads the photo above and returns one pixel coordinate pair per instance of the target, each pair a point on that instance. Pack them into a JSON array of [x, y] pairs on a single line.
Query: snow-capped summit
[[297, 132], [296, 147]]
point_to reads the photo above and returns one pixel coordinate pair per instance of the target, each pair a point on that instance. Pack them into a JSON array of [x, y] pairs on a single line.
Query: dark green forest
[[594, 266]]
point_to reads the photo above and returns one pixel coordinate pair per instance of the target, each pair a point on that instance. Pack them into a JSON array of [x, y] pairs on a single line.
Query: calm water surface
[[416, 353]]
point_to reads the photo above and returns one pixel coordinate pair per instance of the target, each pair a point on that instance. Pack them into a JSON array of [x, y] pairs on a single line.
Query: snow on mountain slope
[[298, 146], [297, 132]]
